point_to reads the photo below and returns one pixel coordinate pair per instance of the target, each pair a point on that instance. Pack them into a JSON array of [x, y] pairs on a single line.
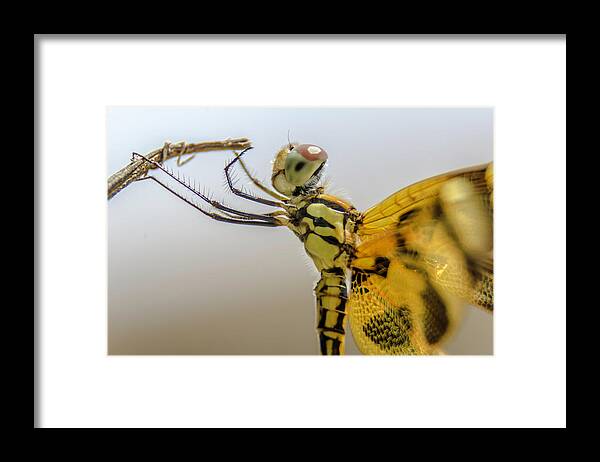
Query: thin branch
[[138, 168]]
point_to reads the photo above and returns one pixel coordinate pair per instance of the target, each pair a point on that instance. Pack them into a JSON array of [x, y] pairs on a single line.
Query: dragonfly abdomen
[[332, 293]]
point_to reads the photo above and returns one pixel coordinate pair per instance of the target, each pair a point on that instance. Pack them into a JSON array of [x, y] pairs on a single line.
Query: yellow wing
[[423, 253]]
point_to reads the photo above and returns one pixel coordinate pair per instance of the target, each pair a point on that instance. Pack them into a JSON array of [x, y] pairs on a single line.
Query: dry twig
[[138, 168]]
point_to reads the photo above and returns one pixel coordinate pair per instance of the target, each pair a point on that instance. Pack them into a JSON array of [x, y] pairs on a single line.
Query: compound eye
[[311, 152], [303, 162]]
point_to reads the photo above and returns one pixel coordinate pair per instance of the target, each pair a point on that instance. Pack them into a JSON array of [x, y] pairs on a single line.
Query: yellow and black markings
[[321, 225]]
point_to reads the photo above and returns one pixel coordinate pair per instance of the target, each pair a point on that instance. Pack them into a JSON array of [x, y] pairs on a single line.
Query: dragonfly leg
[[243, 194], [240, 215], [225, 217], [257, 182]]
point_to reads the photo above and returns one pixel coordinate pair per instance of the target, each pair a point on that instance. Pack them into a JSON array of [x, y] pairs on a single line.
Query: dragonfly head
[[297, 165]]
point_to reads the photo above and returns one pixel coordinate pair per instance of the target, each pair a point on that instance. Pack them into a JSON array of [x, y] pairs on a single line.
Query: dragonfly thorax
[[326, 225]]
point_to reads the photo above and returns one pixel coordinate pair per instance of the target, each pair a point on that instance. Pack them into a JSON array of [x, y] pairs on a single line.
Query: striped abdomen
[[332, 294]]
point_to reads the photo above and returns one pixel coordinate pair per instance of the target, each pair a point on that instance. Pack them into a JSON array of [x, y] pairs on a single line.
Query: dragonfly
[[398, 275]]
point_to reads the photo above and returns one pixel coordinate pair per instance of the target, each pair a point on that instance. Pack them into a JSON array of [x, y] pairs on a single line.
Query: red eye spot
[[311, 152]]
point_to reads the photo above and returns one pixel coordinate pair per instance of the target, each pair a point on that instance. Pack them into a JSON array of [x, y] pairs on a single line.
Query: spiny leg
[[226, 217], [240, 193], [257, 182], [239, 214]]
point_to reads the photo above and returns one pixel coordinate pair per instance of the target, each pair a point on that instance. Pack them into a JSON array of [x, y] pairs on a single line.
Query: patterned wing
[[424, 252]]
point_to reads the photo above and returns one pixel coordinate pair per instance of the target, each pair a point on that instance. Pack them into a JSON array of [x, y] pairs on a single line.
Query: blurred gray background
[[182, 284]]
